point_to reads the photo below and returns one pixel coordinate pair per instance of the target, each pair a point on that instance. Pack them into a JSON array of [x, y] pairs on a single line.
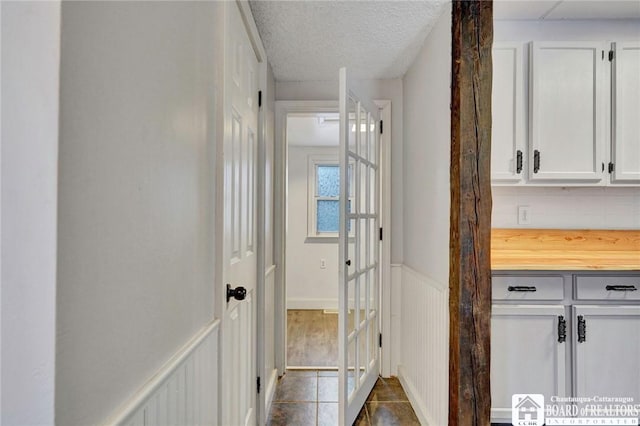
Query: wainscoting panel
[[424, 346], [184, 391]]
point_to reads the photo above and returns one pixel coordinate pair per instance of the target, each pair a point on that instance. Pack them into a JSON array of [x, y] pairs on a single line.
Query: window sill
[[329, 239]]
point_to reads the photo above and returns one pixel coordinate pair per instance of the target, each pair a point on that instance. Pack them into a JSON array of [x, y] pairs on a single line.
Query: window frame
[[313, 162]]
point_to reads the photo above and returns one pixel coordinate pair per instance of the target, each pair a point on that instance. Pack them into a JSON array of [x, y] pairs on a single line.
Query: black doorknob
[[238, 293]]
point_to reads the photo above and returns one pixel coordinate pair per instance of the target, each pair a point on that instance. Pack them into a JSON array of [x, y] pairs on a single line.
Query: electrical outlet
[[524, 215], [323, 263]]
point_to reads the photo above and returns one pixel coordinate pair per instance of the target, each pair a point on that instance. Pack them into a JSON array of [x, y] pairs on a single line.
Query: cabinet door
[[508, 128], [567, 112], [526, 356], [626, 113], [607, 361]]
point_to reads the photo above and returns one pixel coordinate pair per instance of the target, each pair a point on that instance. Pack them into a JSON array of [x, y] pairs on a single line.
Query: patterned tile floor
[[310, 398]]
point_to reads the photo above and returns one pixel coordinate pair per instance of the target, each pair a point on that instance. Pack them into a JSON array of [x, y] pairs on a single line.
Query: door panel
[[606, 351], [524, 338], [626, 98], [239, 258], [507, 104], [567, 111], [358, 330]]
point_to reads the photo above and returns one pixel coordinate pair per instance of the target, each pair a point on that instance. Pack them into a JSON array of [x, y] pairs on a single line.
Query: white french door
[[239, 252], [359, 247]]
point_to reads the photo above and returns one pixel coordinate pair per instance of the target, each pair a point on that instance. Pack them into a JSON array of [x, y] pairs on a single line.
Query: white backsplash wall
[[568, 208]]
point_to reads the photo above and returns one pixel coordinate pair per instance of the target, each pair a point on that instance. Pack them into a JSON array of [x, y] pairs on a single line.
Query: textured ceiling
[[311, 40]]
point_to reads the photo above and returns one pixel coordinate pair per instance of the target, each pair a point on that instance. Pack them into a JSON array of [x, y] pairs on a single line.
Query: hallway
[[310, 397]]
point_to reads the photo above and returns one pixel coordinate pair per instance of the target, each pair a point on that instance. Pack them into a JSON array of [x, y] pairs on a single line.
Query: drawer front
[[607, 287], [528, 287]]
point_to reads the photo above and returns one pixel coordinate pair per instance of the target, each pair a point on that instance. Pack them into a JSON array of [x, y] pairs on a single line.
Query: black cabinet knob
[[238, 293]]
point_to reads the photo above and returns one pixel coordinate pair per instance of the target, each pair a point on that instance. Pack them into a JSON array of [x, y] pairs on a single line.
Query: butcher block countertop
[[565, 250]]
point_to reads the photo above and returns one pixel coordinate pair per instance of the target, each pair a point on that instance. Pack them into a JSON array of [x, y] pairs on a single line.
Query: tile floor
[[310, 398]]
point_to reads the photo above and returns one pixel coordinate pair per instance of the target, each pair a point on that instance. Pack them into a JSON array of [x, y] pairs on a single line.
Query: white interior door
[[240, 254], [358, 329]]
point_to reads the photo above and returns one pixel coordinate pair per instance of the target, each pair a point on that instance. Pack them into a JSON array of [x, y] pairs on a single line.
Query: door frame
[[283, 109], [219, 293]]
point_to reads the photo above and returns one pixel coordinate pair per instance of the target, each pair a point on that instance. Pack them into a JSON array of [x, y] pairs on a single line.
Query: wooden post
[[470, 263]]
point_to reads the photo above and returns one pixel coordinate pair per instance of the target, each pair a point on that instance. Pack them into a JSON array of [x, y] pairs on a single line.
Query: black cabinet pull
[[519, 162], [521, 288], [238, 293], [562, 329], [582, 329], [536, 161], [621, 288], [348, 262]]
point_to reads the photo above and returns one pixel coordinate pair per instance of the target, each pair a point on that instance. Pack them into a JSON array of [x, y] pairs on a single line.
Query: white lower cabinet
[[578, 338], [526, 339], [606, 356]]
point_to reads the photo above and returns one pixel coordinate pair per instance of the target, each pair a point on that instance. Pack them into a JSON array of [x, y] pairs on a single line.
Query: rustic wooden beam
[[470, 244]]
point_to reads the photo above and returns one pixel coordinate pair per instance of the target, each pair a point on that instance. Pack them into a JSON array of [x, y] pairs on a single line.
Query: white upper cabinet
[[625, 145], [508, 133], [567, 112]]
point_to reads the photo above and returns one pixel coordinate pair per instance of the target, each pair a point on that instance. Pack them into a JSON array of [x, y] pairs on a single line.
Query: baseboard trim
[[418, 406], [271, 389], [319, 304]]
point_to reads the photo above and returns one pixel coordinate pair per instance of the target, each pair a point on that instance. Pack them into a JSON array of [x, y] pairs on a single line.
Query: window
[[324, 197]]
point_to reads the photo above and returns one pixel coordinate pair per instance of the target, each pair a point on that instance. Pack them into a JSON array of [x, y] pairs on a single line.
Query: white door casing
[[239, 354], [359, 252], [283, 109]]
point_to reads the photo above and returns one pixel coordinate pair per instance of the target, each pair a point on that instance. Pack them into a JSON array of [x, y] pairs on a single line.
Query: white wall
[[308, 286], [427, 156], [595, 208], [135, 278], [30, 82], [568, 208], [374, 89], [423, 352]]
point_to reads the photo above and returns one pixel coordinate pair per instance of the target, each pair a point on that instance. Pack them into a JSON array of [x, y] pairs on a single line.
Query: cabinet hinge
[[258, 384], [380, 339], [612, 167], [381, 126], [259, 98], [611, 55], [380, 234]]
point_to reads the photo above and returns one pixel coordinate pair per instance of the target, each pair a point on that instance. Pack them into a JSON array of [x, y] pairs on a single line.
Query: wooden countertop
[[566, 250]]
